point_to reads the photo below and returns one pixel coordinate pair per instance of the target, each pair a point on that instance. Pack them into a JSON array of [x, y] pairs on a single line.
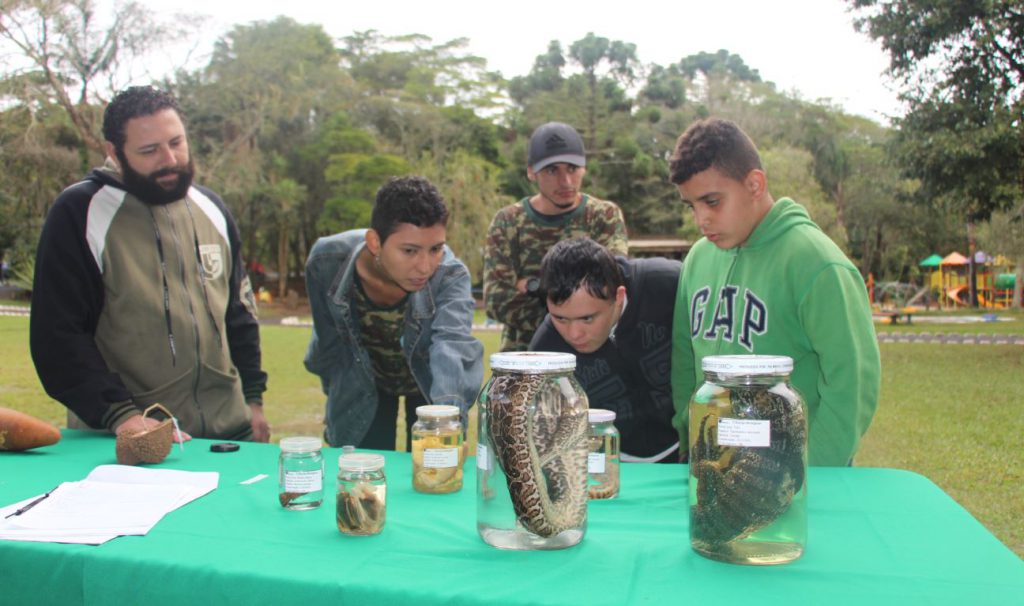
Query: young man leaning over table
[[615, 315], [392, 318]]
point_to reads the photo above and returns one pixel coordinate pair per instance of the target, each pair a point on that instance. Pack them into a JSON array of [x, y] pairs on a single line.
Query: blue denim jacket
[[446, 360]]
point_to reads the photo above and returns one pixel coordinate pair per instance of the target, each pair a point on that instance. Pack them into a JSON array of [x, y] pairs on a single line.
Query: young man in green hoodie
[[766, 280]]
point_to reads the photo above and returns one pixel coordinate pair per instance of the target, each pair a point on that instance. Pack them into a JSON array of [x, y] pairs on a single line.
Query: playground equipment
[[896, 294], [950, 278], [953, 276], [895, 301], [958, 294], [1001, 292]]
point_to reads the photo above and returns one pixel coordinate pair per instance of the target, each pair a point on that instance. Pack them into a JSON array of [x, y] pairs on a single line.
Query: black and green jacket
[[135, 303]]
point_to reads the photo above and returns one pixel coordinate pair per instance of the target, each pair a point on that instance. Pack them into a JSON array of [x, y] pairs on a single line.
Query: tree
[[1004, 234], [546, 74], [469, 184], [597, 55], [266, 84], [413, 68], [721, 63], [356, 177], [665, 86], [961, 65], [791, 173], [419, 97], [39, 156], [284, 197], [66, 49], [264, 96]]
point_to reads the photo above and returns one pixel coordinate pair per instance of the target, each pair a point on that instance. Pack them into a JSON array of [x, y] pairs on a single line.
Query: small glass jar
[[603, 458], [532, 453], [301, 473], [437, 454], [748, 462], [362, 494]]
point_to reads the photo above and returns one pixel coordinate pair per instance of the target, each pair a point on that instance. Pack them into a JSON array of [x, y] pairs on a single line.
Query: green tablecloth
[[876, 536]]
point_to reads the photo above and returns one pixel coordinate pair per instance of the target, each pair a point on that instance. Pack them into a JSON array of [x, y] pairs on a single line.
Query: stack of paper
[[112, 501]]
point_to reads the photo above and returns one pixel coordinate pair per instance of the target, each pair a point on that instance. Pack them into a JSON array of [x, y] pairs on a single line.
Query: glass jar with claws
[[748, 462]]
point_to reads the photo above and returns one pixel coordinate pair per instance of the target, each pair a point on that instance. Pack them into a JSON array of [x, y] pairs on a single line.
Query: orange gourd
[[19, 431]]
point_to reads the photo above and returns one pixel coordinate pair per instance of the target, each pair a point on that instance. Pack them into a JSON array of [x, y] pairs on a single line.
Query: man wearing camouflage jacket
[[521, 234]]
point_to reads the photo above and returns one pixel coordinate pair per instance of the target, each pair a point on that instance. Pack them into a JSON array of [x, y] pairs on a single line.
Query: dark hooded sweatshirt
[[629, 374], [136, 303]]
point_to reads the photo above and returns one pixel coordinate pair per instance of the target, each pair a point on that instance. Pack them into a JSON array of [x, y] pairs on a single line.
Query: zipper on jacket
[[167, 291], [197, 367]]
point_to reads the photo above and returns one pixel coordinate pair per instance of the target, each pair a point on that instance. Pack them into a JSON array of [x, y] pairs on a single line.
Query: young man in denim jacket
[[392, 317]]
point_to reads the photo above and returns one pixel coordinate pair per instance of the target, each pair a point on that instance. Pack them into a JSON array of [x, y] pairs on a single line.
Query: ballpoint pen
[[34, 502]]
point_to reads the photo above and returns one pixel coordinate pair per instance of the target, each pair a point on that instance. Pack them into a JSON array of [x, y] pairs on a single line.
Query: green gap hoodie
[[788, 291]]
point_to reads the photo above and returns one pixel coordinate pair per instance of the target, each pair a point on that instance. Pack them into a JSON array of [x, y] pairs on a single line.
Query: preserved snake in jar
[[532, 453]]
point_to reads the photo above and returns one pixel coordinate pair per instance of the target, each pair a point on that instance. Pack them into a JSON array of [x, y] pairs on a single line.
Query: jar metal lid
[[437, 411], [600, 415], [533, 361], [360, 461], [747, 365], [301, 444]]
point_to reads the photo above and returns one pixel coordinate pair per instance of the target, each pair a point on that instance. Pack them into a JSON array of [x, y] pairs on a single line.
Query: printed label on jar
[[434, 458], [748, 433], [481, 457], [595, 462], [303, 481]]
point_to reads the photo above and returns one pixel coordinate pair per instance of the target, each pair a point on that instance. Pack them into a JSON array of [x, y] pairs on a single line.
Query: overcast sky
[[806, 47]]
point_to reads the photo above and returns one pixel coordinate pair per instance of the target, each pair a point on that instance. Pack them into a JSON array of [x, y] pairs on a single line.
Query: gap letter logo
[[720, 323], [213, 261]]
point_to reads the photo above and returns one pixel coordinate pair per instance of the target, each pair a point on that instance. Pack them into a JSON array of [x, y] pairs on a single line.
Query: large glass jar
[[437, 453], [748, 462], [532, 453], [603, 459], [362, 494], [300, 473]]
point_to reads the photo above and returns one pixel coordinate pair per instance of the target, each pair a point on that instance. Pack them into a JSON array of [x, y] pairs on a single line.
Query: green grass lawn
[[954, 413]]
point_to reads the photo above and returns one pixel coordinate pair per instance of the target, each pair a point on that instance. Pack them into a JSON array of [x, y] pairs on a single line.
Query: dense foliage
[[297, 130]]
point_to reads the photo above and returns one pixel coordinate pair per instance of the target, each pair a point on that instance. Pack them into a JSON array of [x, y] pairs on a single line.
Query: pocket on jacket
[[213, 407], [176, 396], [223, 404]]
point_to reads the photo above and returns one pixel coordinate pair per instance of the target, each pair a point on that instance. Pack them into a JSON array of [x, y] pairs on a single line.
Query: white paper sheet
[[113, 500]]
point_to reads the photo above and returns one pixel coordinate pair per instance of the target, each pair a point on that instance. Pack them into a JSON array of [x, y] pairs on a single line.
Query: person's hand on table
[[138, 423], [260, 427]]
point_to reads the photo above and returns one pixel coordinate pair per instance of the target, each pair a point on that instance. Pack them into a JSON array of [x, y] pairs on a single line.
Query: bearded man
[[140, 293]]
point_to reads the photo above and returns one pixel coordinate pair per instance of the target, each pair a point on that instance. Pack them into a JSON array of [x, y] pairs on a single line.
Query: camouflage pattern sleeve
[[502, 269], [610, 227]]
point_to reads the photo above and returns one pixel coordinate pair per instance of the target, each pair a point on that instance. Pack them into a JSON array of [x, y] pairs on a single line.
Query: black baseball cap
[[555, 142]]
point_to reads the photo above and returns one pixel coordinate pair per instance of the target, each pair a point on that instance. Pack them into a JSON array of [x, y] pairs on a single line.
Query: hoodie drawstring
[[167, 291]]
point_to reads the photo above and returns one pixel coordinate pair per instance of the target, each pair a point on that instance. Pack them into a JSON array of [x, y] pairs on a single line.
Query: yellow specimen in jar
[[437, 462]]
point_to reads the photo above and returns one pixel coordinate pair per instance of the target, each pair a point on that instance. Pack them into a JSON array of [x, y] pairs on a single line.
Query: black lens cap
[[223, 447]]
